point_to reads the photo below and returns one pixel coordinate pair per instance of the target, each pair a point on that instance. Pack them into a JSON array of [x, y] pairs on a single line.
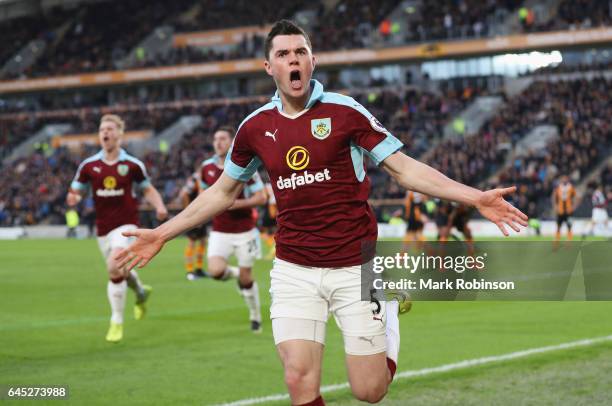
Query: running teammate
[[234, 231], [112, 173]]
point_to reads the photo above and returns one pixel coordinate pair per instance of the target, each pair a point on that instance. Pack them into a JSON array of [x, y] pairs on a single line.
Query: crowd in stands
[[18, 32], [90, 43], [606, 176], [416, 117], [12, 132], [33, 189], [16, 129], [169, 170], [452, 19], [49, 170], [251, 46], [581, 111], [218, 14], [577, 14], [102, 34], [349, 24], [346, 26]]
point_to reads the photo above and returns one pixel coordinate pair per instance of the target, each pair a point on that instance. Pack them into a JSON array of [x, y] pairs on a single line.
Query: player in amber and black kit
[[196, 237], [111, 174], [563, 199], [414, 205], [312, 143]]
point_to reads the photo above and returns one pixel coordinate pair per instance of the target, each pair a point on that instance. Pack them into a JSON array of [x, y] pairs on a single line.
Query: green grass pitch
[[195, 347]]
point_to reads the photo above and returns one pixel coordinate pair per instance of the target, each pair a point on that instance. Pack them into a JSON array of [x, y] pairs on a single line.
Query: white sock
[[251, 298], [230, 272], [392, 330], [116, 296], [134, 283]]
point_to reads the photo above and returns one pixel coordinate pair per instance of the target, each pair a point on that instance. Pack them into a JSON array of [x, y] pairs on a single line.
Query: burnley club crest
[[123, 169], [320, 128]]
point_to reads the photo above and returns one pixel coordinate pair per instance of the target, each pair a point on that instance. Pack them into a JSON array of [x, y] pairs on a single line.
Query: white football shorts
[[303, 298], [114, 239], [599, 215], [246, 246]]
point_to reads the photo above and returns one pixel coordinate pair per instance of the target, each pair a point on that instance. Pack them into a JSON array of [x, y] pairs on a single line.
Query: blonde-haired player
[[111, 173], [234, 231]]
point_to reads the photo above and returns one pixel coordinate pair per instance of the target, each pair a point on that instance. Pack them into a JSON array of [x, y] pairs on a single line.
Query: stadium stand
[[580, 109], [416, 117], [576, 14], [34, 188], [89, 44], [18, 127], [574, 107], [18, 32], [213, 14], [416, 114], [451, 19]]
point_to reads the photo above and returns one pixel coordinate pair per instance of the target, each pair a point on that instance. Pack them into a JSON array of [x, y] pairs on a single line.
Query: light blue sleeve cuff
[[238, 172], [203, 185], [144, 184], [78, 185], [385, 148]]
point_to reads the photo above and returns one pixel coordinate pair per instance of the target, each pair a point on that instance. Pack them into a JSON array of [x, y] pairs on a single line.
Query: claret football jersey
[[230, 221], [315, 160], [112, 188]]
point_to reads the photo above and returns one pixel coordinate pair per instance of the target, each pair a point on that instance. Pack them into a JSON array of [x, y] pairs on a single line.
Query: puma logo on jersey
[[272, 135], [96, 169]]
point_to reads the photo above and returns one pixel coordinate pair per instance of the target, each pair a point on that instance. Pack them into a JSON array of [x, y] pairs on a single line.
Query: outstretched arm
[[209, 203], [154, 198], [417, 176]]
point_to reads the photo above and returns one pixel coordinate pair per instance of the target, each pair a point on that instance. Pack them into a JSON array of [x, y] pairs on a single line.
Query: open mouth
[[105, 138], [295, 80]]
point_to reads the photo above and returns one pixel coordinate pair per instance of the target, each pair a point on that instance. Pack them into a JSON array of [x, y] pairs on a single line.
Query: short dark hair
[[284, 27], [228, 129]]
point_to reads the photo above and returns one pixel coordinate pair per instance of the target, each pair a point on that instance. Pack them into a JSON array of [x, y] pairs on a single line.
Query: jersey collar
[[122, 156], [315, 96]]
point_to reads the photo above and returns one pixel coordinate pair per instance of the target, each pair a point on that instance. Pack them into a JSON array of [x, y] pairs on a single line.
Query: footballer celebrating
[[234, 231], [111, 174], [313, 145]]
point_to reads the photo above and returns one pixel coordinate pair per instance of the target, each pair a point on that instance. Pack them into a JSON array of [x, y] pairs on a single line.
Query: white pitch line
[[442, 368]]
